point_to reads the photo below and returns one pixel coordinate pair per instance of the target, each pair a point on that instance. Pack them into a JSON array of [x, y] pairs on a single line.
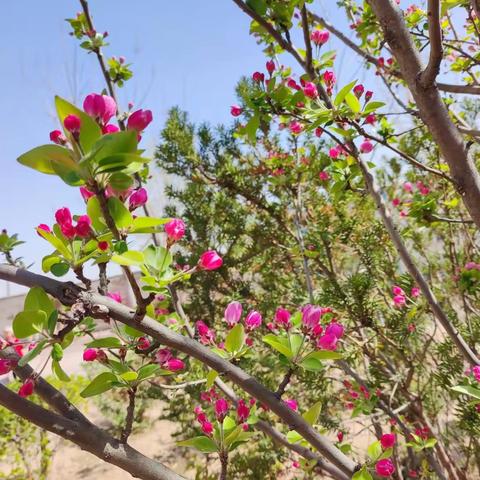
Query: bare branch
[[428, 76], [467, 89]]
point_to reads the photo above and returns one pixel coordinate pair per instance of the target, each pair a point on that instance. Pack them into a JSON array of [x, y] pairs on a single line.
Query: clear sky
[[187, 52]]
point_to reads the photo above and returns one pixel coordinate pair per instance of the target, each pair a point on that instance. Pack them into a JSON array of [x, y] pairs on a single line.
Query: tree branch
[[87, 437], [428, 76], [67, 295]]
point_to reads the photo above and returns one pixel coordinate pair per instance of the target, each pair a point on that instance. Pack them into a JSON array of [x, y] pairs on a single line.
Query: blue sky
[[187, 53]]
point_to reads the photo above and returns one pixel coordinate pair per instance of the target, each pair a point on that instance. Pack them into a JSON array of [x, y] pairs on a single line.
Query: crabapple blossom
[[236, 111], [320, 37], [27, 388], [139, 120], [100, 107], [72, 124], [90, 355], [387, 440], [175, 229], [253, 320], [210, 260], [56, 136], [384, 468], [233, 312], [138, 198]]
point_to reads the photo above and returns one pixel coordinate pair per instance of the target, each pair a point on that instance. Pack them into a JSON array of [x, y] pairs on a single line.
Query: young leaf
[[107, 342], [374, 450], [342, 93], [59, 372], [28, 323], [147, 371], [235, 338], [42, 158], [203, 444], [352, 101], [324, 355], [37, 299], [278, 344], [467, 390], [132, 257], [212, 375], [100, 384], [30, 355], [312, 414], [120, 214]]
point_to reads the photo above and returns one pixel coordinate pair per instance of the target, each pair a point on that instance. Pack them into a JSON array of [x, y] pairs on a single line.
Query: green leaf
[[28, 323], [60, 269], [57, 352], [100, 384], [56, 243], [324, 355], [203, 444], [278, 344], [312, 414], [233, 436], [37, 299], [120, 181], [374, 450], [95, 213], [430, 443], [312, 365], [293, 436], [132, 332], [296, 341], [107, 342], [251, 128], [159, 258], [212, 375], [352, 101], [147, 224], [120, 214], [114, 144], [70, 174], [258, 6], [59, 372], [343, 93], [129, 376], [129, 258], [118, 162], [52, 322], [44, 157], [147, 371], [466, 390], [235, 338], [372, 106], [386, 454], [48, 261], [30, 355], [362, 474], [90, 132]]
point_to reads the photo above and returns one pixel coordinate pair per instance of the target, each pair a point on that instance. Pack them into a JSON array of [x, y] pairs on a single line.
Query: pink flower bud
[[368, 95], [63, 216], [320, 37], [175, 229], [138, 198], [86, 193], [163, 355], [296, 127], [408, 187], [324, 176], [282, 318], [174, 364], [72, 124], [56, 136], [291, 404], [329, 78], [370, 119], [270, 65], [395, 202], [334, 152], [242, 411], [293, 84], [327, 342], [358, 90], [100, 107], [84, 226], [399, 300], [103, 246], [366, 146], [258, 77], [384, 468], [221, 409], [90, 354], [143, 343], [43, 227], [310, 90], [236, 110], [110, 128], [311, 316], [115, 296], [396, 290], [387, 440], [253, 320], [336, 329], [207, 428], [6, 366], [340, 437], [210, 260], [415, 292], [139, 120], [233, 312], [27, 388], [318, 132]]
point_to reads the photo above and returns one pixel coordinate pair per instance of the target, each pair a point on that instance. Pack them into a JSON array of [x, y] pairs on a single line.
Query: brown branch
[[87, 437], [431, 107], [68, 295], [467, 89], [428, 76], [127, 429]]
